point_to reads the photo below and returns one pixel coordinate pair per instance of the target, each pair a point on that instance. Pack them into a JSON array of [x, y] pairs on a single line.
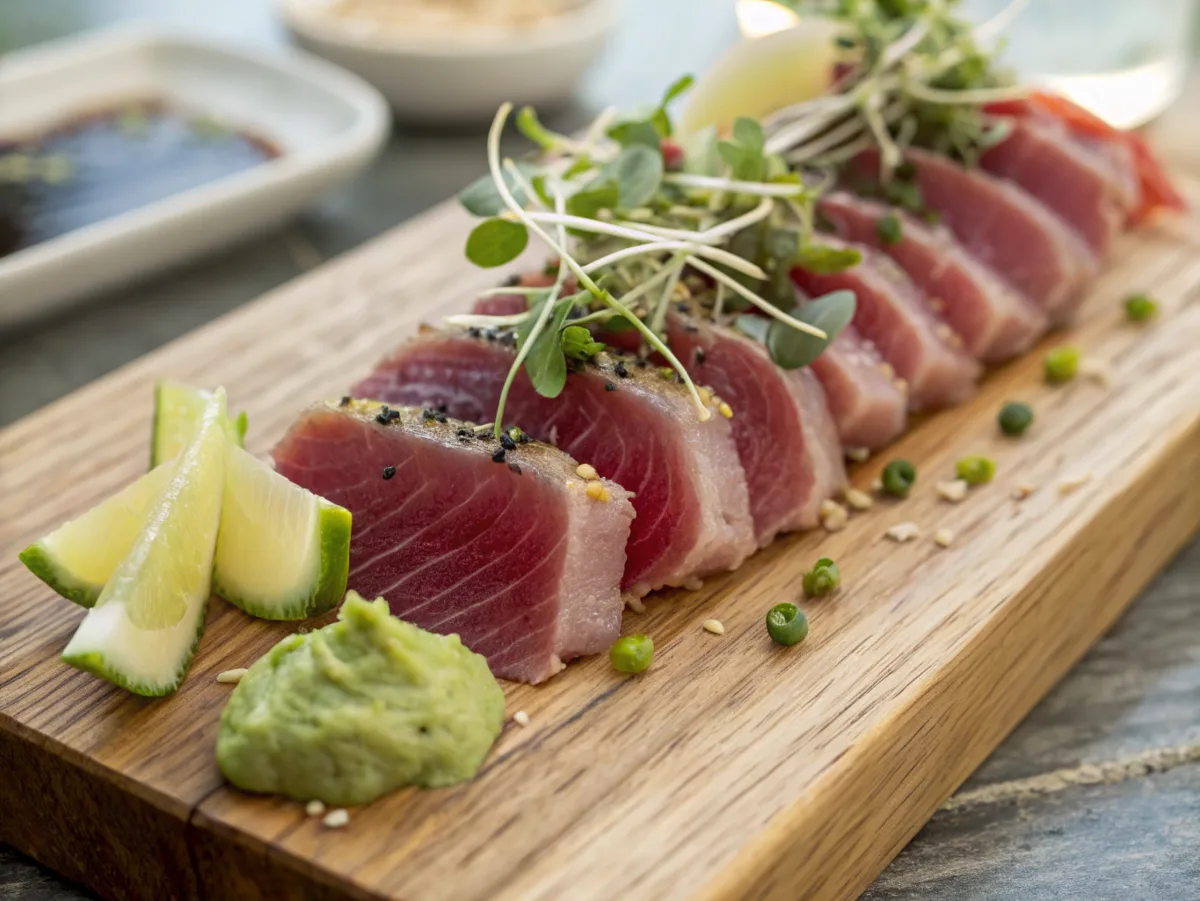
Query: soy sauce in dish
[[110, 162]]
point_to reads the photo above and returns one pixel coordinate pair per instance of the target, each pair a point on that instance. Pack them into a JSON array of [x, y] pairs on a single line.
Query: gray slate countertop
[[1095, 796]]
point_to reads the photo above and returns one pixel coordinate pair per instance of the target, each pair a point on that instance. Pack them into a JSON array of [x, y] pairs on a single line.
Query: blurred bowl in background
[[442, 75]]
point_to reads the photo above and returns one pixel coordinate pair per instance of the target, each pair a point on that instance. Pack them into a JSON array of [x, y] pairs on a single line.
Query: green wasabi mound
[[360, 708]]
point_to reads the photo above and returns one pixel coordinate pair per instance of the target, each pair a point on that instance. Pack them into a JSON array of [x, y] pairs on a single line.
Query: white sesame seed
[[877, 484], [521, 718], [634, 604], [586, 471], [886, 369], [725, 410], [314, 808], [1022, 491], [232, 675], [943, 538], [336, 819], [953, 490], [833, 516], [859, 500], [858, 454], [1068, 486], [1097, 371], [715, 626], [903, 531], [597, 491]]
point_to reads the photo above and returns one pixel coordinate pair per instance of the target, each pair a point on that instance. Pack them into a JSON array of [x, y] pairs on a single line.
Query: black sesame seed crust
[[388, 472], [498, 456]]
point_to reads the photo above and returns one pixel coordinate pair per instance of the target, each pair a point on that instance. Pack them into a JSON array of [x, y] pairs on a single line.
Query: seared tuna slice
[[1085, 189], [518, 558], [635, 425], [1003, 226], [869, 404], [894, 316], [785, 435], [995, 321]]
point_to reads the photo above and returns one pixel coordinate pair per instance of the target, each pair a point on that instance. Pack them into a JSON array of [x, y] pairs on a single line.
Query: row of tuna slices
[[516, 557]]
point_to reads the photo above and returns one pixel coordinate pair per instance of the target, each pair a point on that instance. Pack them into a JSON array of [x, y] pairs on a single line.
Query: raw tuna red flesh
[[995, 321], [693, 513], [785, 435], [522, 565], [1002, 226], [1084, 188], [894, 316]]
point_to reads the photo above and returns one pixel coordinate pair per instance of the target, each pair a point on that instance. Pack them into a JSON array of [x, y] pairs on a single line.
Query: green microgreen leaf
[[700, 155], [538, 183], [638, 172], [495, 242], [749, 133], [791, 348], [582, 164], [618, 324], [545, 364], [480, 198], [825, 260], [592, 199], [529, 125], [677, 88], [889, 229], [630, 133], [577, 344]]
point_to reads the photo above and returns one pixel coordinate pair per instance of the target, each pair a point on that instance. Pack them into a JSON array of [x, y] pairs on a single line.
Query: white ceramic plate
[[327, 123], [460, 78]]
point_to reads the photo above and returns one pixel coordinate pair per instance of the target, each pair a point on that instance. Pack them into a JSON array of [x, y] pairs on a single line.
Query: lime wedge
[[143, 630], [78, 557], [177, 409], [282, 552]]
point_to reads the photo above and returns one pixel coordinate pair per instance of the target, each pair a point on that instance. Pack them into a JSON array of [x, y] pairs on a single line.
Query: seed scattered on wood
[[634, 604], [1097, 371], [943, 538], [859, 500], [877, 484], [521, 718], [715, 626], [953, 490], [336, 819], [586, 471], [314, 808], [904, 531], [1068, 486], [1022, 491], [833, 516], [858, 454], [597, 491], [232, 676]]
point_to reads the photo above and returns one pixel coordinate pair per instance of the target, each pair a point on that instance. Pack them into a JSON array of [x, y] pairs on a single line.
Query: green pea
[[898, 478], [975, 470], [889, 229], [824, 578], [1015, 418], [1061, 364], [786, 624], [632, 654], [1139, 308]]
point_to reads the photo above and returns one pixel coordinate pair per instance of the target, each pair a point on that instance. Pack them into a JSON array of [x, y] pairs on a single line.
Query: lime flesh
[[142, 632], [177, 409]]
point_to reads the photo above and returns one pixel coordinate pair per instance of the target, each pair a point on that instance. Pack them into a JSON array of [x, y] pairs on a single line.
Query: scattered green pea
[[824, 578], [898, 478], [1015, 418], [1061, 364], [889, 229], [632, 654], [786, 624], [1139, 308], [975, 470]]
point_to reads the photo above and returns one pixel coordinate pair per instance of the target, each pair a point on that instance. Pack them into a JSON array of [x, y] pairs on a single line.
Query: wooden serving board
[[732, 768]]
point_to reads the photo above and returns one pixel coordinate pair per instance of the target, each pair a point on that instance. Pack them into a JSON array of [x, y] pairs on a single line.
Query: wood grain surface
[[731, 769]]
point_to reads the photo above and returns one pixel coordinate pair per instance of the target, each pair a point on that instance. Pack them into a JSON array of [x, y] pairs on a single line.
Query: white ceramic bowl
[[458, 79]]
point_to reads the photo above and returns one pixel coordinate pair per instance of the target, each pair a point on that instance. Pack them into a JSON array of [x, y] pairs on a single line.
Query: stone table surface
[[1096, 794]]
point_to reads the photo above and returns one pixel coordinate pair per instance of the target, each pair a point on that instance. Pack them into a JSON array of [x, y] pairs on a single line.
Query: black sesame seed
[[443, 408], [474, 332], [427, 413], [388, 472], [508, 338], [691, 329], [620, 370], [490, 334], [682, 307], [515, 468], [701, 356], [609, 386], [498, 456], [525, 439], [464, 432], [393, 415], [442, 417], [512, 281], [642, 364], [507, 443], [345, 402]]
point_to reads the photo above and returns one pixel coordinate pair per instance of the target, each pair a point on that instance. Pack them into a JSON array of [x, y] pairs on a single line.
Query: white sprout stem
[[998, 23], [801, 129], [732, 260], [844, 132], [975, 97], [599, 127], [648, 285], [805, 108], [732, 226], [900, 48], [519, 178], [719, 302], [768, 308], [539, 325], [481, 320], [853, 149], [630, 231], [757, 188], [889, 153], [664, 302]]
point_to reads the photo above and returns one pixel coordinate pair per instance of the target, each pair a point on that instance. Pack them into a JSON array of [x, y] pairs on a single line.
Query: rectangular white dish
[[326, 123]]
